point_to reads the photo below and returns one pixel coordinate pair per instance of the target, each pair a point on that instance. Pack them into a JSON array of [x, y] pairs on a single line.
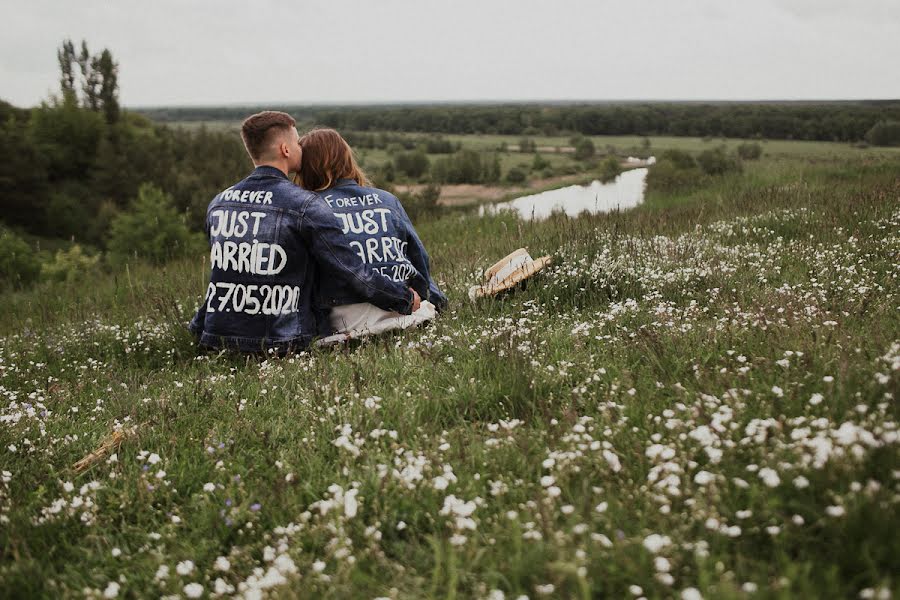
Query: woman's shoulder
[[349, 187], [379, 195]]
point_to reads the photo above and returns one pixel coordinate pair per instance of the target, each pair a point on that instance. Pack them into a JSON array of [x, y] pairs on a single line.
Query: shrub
[[527, 145], [151, 229], [385, 173], [584, 149], [439, 145], [645, 145], [464, 166], [516, 175], [749, 151], [610, 168], [69, 265], [423, 202], [680, 158], [70, 211], [491, 169], [884, 133], [19, 264], [667, 176], [539, 163], [718, 162], [412, 164]]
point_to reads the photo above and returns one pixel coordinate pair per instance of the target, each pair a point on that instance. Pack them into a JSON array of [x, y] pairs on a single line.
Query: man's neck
[[275, 165]]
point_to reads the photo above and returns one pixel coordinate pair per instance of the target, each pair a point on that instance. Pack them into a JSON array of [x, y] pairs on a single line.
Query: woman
[[377, 227]]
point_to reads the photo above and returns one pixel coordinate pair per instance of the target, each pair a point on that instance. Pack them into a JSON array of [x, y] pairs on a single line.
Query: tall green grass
[[690, 337]]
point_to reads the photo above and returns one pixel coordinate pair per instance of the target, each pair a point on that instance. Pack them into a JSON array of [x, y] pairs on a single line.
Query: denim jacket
[[378, 229], [270, 243]]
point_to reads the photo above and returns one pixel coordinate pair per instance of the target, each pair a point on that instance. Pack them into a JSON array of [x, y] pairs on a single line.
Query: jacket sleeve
[[336, 258], [415, 252]]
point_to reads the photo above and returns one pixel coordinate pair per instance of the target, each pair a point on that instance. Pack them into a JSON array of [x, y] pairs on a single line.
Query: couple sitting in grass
[[321, 258]]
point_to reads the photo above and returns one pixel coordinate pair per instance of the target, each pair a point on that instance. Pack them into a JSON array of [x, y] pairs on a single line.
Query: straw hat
[[508, 272]]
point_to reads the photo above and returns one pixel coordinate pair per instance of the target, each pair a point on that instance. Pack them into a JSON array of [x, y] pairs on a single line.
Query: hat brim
[[516, 277]]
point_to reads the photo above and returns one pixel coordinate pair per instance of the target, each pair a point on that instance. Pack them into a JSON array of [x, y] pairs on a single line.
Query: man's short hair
[[258, 130]]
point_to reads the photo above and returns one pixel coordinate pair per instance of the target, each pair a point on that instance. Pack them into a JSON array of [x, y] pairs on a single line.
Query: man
[[269, 242]]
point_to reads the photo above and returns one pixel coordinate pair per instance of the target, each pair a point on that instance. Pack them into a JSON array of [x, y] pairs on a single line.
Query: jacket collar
[[344, 181], [267, 171]]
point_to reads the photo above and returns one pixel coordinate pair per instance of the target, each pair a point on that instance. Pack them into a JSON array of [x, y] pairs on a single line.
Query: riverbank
[[468, 194]]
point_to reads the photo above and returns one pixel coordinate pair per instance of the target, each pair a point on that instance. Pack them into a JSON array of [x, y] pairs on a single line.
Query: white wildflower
[[769, 477], [655, 542], [185, 567], [112, 590], [691, 594], [703, 478]]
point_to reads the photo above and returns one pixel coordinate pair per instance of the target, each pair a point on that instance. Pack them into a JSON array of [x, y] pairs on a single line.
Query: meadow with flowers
[[697, 400]]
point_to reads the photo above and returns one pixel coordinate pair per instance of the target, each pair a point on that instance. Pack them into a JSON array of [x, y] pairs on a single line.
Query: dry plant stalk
[[110, 443]]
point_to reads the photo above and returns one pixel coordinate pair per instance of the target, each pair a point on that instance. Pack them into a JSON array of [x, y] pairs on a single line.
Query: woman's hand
[[417, 302]]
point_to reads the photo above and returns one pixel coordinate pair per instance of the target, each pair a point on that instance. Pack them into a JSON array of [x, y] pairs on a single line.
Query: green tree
[[516, 175], [108, 93], [464, 166], [388, 173], [67, 137], [151, 230], [610, 168], [23, 177], [884, 133], [492, 169], [438, 145], [645, 145], [67, 59], [70, 265], [412, 164], [668, 177], [717, 162], [90, 78], [424, 202], [680, 158], [584, 149], [19, 266], [70, 211], [539, 163]]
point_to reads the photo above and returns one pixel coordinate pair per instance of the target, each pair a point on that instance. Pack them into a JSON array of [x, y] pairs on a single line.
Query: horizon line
[[472, 102]]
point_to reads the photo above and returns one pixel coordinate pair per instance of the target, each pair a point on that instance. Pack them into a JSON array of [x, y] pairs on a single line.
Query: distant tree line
[[848, 121], [383, 140]]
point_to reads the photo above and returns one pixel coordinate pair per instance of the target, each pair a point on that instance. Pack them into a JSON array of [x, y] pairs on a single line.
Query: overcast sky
[[183, 52]]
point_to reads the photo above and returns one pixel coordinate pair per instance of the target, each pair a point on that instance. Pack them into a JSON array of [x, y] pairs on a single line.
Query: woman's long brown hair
[[327, 157]]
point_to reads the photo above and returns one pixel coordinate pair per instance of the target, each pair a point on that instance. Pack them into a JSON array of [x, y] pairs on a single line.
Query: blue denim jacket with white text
[[271, 242], [378, 229]]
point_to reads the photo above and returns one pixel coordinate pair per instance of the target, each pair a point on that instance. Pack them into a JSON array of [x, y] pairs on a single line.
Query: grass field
[[698, 399]]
